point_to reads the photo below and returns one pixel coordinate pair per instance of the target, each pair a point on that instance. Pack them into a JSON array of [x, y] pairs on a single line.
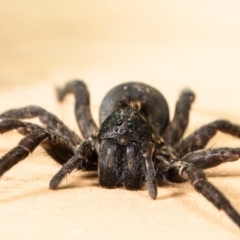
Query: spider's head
[[126, 124]]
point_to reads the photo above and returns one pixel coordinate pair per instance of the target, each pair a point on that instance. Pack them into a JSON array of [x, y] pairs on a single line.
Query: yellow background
[[167, 44]]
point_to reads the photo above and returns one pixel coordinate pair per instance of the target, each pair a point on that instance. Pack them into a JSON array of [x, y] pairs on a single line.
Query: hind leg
[[83, 114], [199, 139], [177, 127]]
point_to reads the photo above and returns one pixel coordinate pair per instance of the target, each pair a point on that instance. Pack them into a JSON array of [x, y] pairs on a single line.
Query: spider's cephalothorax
[[126, 143], [135, 142], [127, 125]]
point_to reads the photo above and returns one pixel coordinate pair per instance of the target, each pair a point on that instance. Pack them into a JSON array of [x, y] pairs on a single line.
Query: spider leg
[[55, 146], [201, 137], [25, 146], [177, 127], [82, 106], [73, 163], [199, 181], [210, 158], [49, 120]]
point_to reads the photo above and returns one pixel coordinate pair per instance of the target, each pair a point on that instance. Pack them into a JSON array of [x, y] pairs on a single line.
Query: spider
[[136, 144]]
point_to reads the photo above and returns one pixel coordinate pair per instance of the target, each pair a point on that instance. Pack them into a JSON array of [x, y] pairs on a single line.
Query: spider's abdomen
[[145, 98]]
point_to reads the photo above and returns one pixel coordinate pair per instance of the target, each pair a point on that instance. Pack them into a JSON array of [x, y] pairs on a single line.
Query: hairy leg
[[210, 158], [60, 149], [82, 106], [73, 163], [201, 137], [177, 127], [20, 152], [199, 181], [49, 120]]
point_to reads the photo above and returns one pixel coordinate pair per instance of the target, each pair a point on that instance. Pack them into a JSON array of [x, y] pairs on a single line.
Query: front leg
[[199, 181], [59, 148], [212, 157], [49, 120], [20, 152], [74, 163]]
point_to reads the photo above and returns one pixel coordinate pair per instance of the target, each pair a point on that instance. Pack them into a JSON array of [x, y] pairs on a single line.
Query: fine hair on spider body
[[135, 143]]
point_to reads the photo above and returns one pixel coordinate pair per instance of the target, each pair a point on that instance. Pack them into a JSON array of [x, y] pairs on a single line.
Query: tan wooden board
[[167, 44]]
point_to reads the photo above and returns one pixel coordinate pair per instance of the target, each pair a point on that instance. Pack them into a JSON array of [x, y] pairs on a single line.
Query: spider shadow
[[90, 175], [24, 195], [222, 175], [171, 195], [211, 217], [84, 180], [188, 204], [174, 190]]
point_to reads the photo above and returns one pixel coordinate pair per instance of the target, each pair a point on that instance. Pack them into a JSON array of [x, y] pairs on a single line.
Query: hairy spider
[[135, 144]]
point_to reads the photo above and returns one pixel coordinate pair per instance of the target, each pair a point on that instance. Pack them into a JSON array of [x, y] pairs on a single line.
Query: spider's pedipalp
[[148, 149]]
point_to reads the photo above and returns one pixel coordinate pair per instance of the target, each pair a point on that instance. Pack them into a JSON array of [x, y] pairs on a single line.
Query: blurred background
[[169, 44], [174, 42]]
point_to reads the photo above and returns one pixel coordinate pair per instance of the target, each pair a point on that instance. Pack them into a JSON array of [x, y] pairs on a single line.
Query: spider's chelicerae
[[135, 144]]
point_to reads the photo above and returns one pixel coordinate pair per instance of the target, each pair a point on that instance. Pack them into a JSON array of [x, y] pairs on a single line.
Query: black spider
[[135, 143]]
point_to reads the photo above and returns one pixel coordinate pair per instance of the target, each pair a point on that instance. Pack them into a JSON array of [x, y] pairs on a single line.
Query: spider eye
[[119, 123], [130, 124]]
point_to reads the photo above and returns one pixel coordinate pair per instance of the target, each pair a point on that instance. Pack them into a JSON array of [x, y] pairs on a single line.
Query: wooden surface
[[167, 44]]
